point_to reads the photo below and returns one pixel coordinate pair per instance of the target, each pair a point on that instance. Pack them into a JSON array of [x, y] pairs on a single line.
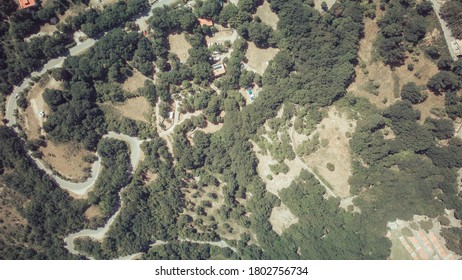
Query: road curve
[[80, 189], [97, 234]]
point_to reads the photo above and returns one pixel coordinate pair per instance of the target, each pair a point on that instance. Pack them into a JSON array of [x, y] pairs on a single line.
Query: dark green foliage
[[45, 228], [445, 63], [74, 116], [452, 11], [424, 8], [259, 33], [209, 9], [444, 81], [448, 157], [441, 128], [179, 251], [249, 6], [453, 237], [411, 92], [338, 229], [115, 175], [167, 19], [399, 25], [93, 22]]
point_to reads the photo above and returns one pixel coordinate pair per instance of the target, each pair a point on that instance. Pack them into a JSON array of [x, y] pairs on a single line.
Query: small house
[[218, 69], [23, 4], [206, 22]]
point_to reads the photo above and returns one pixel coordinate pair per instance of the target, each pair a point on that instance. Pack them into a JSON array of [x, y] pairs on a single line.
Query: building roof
[[203, 21], [27, 3], [218, 69]]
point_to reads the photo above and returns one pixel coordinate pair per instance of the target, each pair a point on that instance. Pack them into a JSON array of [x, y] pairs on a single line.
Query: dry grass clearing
[[334, 129], [280, 181], [67, 160], [101, 3], [267, 16], [258, 58], [134, 82], [389, 82], [211, 128], [150, 177], [73, 11], [92, 212], [30, 118], [137, 109], [179, 46], [281, 218]]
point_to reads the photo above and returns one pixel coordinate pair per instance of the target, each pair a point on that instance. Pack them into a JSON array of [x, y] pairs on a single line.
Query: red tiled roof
[[203, 21], [27, 3]]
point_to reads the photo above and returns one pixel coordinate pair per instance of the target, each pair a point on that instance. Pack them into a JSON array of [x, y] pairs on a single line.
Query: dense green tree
[[411, 92], [444, 81]]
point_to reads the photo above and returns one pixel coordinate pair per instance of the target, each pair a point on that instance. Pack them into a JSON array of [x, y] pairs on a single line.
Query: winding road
[[80, 189]]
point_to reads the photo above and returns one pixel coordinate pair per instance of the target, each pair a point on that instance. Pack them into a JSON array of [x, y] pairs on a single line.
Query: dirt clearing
[[224, 34], [258, 58], [137, 109], [267, 16], [179, 46], [276, 183], [92, 212], [211, 128], [30, 118], [381, 84], [134, 82], [281, 218], [66, 160], [337, 152]]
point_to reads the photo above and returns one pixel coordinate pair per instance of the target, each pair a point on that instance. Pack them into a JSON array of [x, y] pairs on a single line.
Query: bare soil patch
[[30, 118], [258, 58], [280, 181], [48, 28], [150, 176], [337, 152], [137, 108], [179, 46], [211, 128], [92, 212], [101, 3], [375, 76], [74, 10], [281, 218], [223, 34], [267, 16], [134, 82], [67, 160]]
